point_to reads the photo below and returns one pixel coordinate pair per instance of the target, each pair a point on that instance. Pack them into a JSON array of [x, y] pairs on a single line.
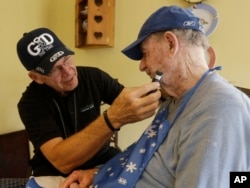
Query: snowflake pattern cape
[[124, 170]]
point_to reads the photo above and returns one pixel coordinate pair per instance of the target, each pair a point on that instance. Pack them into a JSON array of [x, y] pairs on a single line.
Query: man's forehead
[[146, 41]]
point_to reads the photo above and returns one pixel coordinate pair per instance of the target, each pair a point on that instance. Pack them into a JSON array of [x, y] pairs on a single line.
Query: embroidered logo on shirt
[[87, 107]]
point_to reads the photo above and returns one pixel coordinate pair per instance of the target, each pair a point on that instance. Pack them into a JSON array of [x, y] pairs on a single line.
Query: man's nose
[[65, 69], [142, 65]]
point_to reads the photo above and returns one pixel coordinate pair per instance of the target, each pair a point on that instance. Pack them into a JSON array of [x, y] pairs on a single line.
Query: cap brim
[[47, 65], [133, 51]]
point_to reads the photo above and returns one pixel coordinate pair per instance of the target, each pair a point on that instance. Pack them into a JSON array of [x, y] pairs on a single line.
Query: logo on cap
[[189, 23], [40, 69], [56, 56], [40, 45]]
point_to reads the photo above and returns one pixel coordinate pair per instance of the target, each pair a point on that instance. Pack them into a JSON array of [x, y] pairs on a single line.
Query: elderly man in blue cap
[[201, 132]]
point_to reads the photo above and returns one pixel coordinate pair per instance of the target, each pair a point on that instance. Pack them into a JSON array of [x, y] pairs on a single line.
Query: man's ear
[[211, 57], [35, 77], [172, 42]]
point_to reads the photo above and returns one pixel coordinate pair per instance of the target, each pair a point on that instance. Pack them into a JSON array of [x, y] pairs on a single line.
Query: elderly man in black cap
[[201, 132], [61, 107]]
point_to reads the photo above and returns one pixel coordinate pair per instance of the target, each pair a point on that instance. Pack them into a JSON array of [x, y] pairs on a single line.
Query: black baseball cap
[[40, 49]]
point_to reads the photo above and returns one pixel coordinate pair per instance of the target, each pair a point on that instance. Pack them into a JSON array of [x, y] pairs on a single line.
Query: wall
[[230, 40]]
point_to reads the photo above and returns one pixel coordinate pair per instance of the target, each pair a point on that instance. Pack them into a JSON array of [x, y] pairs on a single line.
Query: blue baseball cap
[[165, 18]]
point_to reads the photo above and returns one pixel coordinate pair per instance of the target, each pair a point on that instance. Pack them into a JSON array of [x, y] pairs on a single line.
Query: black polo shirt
[[46, 114]]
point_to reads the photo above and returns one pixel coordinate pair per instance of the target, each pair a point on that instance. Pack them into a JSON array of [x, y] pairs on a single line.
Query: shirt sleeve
[[39, 118]]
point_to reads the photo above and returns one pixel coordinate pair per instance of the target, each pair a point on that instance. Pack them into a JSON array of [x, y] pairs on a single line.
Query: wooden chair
[[14, 155]]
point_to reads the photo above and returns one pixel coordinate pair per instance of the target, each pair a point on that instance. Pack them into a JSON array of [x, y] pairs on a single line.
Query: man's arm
[[130, 106]]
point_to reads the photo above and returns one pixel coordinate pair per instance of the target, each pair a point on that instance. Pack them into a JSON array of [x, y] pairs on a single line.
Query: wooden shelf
[[98, 30]]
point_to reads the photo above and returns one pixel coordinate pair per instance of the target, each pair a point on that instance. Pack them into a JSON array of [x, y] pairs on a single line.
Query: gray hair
[[196, 38], [189, 36]]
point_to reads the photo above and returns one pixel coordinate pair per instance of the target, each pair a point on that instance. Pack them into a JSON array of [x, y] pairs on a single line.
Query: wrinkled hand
[[133, 104], [79, 179]]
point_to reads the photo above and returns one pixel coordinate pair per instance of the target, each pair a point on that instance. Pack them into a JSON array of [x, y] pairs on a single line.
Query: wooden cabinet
[[94, 23]]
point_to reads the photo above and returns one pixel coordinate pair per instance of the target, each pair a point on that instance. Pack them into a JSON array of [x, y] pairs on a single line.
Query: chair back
[[14, 155]]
